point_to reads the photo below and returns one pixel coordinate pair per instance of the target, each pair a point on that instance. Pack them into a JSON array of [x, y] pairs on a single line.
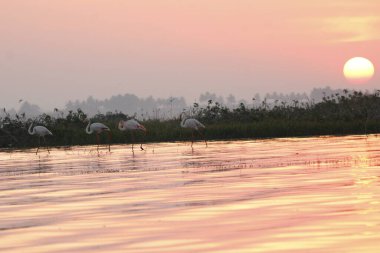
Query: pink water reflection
[[282, 195]]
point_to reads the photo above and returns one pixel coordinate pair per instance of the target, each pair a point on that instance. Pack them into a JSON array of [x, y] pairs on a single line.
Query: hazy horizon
[[55, 51], [131, 104], [189, 101]]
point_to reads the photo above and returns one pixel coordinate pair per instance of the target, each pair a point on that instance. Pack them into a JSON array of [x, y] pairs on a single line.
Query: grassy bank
[[350, 113]]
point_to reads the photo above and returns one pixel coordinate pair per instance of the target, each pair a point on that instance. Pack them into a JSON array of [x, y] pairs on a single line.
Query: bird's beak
[[142, 128]]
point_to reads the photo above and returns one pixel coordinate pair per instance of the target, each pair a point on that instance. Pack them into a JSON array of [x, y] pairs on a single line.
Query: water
[[281, 195]]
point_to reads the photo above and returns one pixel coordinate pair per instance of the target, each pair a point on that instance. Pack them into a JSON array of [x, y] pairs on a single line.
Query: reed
[[340, 114]]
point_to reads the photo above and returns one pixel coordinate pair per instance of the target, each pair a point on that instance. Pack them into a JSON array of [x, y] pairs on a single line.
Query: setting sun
[[358, 70]]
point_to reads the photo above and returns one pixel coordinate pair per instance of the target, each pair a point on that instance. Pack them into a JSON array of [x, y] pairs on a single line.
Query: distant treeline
[[159, 108], [349, 112]]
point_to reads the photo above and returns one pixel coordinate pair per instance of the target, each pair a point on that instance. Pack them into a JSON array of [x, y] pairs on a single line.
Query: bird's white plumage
[[39, 130], [191, 123], [96, 127], [131, 124]]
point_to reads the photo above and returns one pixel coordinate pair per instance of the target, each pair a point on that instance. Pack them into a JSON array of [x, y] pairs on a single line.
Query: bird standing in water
[[98, 128], [194, 125], [41, 132], [131, 125]]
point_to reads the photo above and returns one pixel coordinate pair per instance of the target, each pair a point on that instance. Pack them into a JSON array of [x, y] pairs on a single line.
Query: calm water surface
[[282, 195]]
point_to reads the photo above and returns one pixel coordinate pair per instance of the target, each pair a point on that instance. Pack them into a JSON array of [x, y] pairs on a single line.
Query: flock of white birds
[[124, 125]]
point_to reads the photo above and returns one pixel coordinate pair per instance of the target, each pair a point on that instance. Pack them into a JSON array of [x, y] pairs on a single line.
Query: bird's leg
[[192, 138], [141, 147], [39, 143], [109, 141], [97, 141], [203, 136], [47, 147], [133, 140]]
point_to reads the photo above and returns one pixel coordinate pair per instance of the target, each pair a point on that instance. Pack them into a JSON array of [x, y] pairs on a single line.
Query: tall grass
[[339, 114]]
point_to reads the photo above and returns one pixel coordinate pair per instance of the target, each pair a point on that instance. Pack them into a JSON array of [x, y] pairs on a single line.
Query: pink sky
[[55, 51]]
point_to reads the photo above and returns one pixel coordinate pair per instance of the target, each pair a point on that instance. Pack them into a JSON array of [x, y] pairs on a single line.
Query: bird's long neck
[[184, 118], [141, 127], [88, 130], [121, 125], [30, 131]]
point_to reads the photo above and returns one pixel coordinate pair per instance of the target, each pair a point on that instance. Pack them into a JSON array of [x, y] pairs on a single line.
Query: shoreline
[[13, 149]]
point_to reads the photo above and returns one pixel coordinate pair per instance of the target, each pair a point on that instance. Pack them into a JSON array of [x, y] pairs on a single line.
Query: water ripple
[[281, 195]]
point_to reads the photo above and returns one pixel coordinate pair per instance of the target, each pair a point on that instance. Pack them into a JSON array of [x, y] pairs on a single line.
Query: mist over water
[[282, 195]]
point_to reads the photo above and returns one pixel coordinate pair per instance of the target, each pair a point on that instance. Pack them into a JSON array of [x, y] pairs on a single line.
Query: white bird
[[131, 125], [194, 125], [98, 128], [40, 131]]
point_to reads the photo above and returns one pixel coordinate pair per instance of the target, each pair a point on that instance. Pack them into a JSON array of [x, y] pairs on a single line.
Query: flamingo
[[131, 125], [99, 128], [40, 131], [194, 125]]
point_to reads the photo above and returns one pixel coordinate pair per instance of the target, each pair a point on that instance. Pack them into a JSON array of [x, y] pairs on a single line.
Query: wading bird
[[131, 125], [194, 125], [40, 131], [98, 128]]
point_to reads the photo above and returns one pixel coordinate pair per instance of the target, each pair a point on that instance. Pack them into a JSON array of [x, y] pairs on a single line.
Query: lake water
[[281, 195]]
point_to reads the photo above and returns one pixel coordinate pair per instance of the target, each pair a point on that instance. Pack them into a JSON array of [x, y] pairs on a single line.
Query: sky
[[53, 51]]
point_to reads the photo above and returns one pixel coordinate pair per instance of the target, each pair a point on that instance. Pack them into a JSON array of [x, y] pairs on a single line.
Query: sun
[[358, 70]]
